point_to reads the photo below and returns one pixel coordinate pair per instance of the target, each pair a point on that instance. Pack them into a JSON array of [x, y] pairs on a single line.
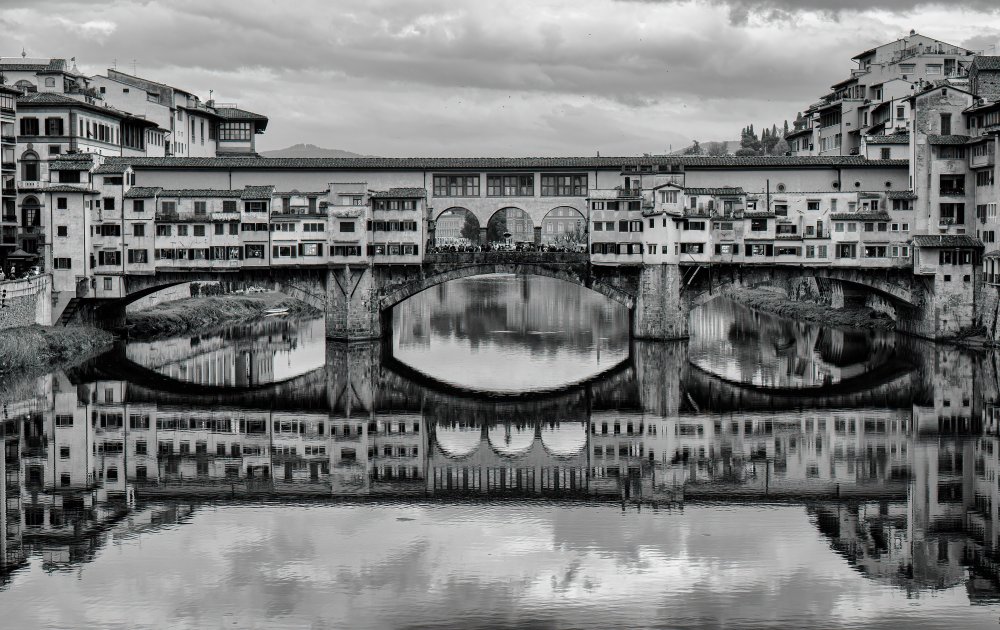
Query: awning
[[20, 253]]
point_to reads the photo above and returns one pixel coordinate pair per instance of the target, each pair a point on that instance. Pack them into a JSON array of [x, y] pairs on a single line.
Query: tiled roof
[[257, 192], [238, 115], [860, 216], [986, 62], [142, 192], [66, 188], [953, 139], [716, 192], [201, 192], [71, 163], [896, 138], [901, 194], [116, 168], [946, 240], [993, 254], [799, 132], [374, 163], [399, 193], [235, 113], [43, 99]]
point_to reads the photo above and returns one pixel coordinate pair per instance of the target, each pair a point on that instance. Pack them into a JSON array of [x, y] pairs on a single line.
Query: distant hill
[[310, 151], [732, 146]]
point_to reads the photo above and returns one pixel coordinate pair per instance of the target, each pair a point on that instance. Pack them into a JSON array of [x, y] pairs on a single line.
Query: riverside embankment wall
[[26, 302]]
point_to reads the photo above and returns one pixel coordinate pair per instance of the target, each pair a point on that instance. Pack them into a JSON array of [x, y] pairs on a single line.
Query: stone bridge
[[358, 299], [918, 304]]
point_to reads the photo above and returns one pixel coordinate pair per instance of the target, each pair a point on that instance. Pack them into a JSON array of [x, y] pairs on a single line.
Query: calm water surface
[[510, 459]]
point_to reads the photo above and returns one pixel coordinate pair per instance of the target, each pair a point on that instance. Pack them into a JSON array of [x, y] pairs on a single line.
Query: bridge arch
[[898, 286], [564, 223], [575, 274], [510, 220], [454, 223]]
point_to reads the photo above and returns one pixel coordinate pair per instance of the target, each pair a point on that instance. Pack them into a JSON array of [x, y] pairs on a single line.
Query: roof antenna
[[23, 54], [133, 68]]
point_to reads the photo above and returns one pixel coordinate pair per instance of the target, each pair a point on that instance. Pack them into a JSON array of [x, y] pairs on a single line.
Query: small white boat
[[276, 311]]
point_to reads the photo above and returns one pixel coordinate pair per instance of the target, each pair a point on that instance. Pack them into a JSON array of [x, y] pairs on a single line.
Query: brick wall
[[26, 302]]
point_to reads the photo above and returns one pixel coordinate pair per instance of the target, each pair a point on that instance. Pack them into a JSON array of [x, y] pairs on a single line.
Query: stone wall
[[988, 307], [26, 302], [662, 308]]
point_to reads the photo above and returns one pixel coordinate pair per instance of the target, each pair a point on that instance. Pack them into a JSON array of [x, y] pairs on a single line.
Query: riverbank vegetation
[[774, 301], [172, 318], [33, 350]]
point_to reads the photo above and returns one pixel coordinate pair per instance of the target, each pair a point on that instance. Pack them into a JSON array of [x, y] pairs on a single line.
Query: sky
[[444, 565], [475, 78]]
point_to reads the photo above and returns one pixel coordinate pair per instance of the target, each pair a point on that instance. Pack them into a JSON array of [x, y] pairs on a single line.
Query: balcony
[[168, 216], [976, 161], [7, 164], [6, 139], [300, 213], [952, 192]]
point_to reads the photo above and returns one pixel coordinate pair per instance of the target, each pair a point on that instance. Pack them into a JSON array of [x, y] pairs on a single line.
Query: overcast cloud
[[521, 77]]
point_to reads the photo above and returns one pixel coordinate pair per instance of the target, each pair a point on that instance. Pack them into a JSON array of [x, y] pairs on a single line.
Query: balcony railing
[[299, 212], [953, 192], [175, 216], [8, 139]]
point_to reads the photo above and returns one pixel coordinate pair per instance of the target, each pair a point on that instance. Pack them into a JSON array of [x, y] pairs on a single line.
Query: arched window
[[25, 86], [29, 167], [31, 212]]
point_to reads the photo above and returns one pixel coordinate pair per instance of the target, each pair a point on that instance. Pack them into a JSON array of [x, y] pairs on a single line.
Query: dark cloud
[[439, 77], [740, 11]]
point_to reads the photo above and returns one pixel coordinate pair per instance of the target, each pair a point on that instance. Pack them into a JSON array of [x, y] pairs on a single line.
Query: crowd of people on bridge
[[508, 247]]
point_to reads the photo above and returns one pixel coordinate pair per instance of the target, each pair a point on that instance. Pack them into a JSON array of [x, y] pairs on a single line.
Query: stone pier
[[662, 307]]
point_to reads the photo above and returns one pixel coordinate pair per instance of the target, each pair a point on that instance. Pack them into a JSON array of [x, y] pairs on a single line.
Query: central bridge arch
[[621, 287]]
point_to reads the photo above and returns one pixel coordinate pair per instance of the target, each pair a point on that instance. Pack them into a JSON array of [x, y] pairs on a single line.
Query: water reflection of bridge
[[652, 428]]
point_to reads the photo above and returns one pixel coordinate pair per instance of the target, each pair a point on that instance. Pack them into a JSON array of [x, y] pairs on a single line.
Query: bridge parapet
[[490, 258]]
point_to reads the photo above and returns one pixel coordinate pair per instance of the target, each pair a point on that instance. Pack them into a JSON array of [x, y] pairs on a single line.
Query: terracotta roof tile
[[721, 191], [142, 192], [400, 193], [896, 138], [66, 188], [860, 216], [257, 192], [946, 240], [942, 140]]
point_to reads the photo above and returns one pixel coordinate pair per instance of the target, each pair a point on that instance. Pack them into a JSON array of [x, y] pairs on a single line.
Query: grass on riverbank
[[33, 350], [177, 317], [773, 301]]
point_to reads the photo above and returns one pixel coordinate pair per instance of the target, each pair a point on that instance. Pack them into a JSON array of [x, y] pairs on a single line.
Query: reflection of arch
[[458, 440], [565, 438], [512, 220], [511, 440], [449, 226], [564, 223]]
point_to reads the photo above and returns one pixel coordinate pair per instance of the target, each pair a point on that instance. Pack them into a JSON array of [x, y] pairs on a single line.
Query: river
[[510, 458]]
